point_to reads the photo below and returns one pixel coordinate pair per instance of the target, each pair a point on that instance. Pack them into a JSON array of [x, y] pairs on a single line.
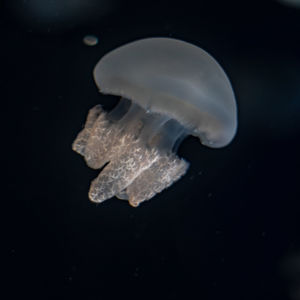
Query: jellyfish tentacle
[[107, 133], [137, 145], [121, 171], [159, 176], [100, 142], [80, 143]]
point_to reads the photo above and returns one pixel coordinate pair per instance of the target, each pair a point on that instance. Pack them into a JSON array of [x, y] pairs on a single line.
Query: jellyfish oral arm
[[137, 147]]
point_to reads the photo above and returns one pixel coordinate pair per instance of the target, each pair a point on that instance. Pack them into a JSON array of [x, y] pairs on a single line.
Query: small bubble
[[90, 40]]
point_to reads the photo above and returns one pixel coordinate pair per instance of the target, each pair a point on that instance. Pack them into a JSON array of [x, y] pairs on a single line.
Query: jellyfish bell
[[169, 89], [174, 78]]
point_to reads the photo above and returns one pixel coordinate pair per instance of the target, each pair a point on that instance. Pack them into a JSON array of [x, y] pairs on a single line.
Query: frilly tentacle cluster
[[133, 170]]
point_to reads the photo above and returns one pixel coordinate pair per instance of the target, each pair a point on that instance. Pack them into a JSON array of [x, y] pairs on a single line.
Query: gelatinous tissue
[[169, 89], [135, 171]]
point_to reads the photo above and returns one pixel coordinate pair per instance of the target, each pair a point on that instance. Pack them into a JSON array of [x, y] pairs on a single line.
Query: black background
[[228, 230]]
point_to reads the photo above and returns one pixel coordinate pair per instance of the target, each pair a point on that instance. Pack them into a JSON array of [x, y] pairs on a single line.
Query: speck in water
[[90, 40]]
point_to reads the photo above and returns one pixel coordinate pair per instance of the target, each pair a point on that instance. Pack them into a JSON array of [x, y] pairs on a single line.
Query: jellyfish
[[168, 89]]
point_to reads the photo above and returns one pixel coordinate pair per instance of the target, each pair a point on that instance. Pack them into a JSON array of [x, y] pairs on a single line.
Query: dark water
[[228, 230]]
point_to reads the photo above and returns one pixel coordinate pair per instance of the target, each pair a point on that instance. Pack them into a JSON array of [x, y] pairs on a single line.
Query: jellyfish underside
[[137, 149]]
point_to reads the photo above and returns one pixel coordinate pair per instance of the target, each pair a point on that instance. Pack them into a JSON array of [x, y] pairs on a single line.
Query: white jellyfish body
[[169, 89]]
